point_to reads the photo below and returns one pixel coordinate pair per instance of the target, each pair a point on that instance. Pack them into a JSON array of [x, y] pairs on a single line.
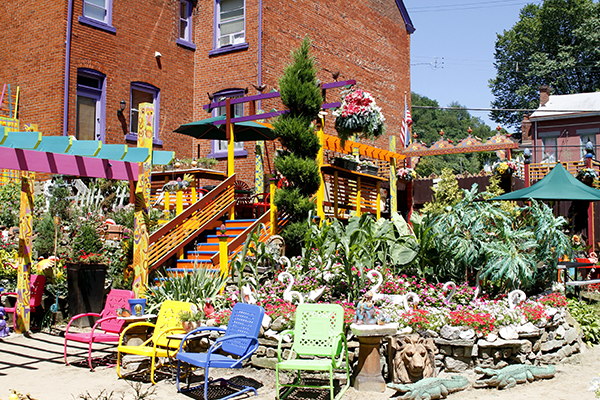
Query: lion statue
[[414, 359]]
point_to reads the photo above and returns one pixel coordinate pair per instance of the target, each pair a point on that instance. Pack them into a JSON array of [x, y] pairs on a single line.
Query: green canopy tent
[[559, 184], [248, 131]]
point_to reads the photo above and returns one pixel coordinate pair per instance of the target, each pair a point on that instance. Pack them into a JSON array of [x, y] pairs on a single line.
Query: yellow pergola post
[[223, 256], [22, 311], [358, 197], [393, 179], [336, 186], [273, 212], [230, 149], [378, 213], [142, 201], [320, 160]]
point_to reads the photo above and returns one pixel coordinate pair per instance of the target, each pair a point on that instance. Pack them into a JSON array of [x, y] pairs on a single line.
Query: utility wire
[[503, 109]]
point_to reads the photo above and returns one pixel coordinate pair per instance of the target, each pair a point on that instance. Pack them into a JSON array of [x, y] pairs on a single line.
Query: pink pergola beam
[[55, 163]]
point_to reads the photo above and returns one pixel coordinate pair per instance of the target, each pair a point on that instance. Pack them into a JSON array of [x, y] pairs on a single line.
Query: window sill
[[97, 24], [132, 137], [186, 44], [228, 49], [223, 154]]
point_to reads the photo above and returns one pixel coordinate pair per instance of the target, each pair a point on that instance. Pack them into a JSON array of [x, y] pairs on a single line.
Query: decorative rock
[[463, 343], [485, 353], [571, 321], [551, 345], [445, 350], [261, 351], [450, 332], [536, 346], [531, 356], [528, 329], [459, 364], [500, 364], [432, 333], [544, 337], [551, 335], [491, 337], [271, 353], [211, 322], [271, 334], [466, 335], [548, 359], [458, 351], [407, 330], [571, 335], [279, 324], [474, 350], [551, 311], [262, 362], [526, 347], [500, 343], [508, 333], [560, 332], [266, 322]]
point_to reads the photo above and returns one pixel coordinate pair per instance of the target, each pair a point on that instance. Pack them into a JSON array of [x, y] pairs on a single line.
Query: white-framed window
[[219, 147], [549, 149], [98, 13], [586, 135], [231, 24], [185, 24], [90, 103], [143, 93]]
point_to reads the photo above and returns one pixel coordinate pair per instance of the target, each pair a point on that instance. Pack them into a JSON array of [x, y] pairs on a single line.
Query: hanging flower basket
[[407, 174], [367, 167], [358, 114], [587, 175], [504, 168]]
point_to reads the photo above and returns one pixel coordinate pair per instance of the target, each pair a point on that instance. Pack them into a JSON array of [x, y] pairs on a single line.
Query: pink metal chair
[[106, 329], [36, 290]]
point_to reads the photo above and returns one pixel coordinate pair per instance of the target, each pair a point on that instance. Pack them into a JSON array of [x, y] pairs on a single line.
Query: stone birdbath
[[367, 377]]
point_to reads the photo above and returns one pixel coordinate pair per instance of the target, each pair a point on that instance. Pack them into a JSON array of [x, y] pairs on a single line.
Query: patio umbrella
[[559, 184], [248, 131]]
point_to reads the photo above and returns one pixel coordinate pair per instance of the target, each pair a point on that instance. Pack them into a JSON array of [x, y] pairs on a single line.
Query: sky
[[452, 49]]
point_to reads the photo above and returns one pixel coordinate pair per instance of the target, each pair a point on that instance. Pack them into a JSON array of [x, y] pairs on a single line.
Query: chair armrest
[[80, 316], [164, 333], [197, 330], [101, 320], [343, 353], [281, 335], [148, 324], [8, 294]]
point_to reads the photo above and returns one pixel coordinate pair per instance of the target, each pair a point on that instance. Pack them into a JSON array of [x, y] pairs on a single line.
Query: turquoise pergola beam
[[55, 144], [112, 151], [162, 157], [85, 148], [21, 140], [137, 154]]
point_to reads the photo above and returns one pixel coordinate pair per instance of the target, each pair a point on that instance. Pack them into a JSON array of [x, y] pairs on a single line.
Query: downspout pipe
[[259, 47], [67, 67]]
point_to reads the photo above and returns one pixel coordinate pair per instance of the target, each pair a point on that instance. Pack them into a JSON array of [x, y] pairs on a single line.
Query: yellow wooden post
[[179, 210], [22, 311], [393, 179], [273, 212], [320, 160], [142, 201], [358, 197], [378, 214], [336, 187], [223, 256], [167, 201], [230, 149]]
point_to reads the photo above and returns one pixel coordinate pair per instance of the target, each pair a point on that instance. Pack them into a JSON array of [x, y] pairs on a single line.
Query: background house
[[560, 128], [111, 54]]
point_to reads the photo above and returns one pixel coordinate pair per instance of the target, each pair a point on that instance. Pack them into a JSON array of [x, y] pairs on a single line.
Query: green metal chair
[[319, 332]]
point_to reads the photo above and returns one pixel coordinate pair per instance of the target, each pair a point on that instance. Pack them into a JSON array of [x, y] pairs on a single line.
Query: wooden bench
[[577, 284]]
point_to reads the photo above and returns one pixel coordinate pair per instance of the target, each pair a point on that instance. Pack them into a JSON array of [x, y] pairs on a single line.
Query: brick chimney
[[525, 128], [544, 94]]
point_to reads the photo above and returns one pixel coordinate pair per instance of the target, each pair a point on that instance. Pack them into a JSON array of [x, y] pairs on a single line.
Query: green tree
[[555, 43], [427, 124], [301, 94]]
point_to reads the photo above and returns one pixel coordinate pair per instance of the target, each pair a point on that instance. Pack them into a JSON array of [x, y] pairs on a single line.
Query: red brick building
[[112, 54], [116, 54]]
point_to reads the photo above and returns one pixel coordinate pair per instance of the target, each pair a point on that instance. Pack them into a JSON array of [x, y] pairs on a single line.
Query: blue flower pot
[[138, 306]]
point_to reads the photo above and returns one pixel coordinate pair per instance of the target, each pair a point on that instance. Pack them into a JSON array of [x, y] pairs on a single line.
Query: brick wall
[[365, 41], [33, 57]]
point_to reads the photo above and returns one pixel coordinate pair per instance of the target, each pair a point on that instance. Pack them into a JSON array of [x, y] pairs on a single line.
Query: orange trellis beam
[[333, 143]]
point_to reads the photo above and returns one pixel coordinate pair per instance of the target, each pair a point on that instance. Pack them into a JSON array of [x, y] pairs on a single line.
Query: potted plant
[[191, 320], [504, 168], [367, 167], [407, 174], [347, 161], [587, 175], [358, 114]]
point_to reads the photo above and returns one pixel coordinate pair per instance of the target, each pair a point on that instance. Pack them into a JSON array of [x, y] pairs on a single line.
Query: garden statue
[[449, 285], [515, 298], [365, 310], [412, 359], [509, 376], [430, 388], [47, 191], [288, 293]]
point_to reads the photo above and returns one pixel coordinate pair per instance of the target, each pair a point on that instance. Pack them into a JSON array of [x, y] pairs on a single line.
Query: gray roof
[[569, 106]]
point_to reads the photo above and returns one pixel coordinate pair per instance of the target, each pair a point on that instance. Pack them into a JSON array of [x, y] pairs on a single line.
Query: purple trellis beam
[[55, 163]]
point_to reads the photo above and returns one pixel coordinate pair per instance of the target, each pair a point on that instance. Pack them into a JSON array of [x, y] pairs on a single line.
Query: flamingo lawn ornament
[[394, 298], [415, 300], [288, 293], [515, 298], [477, 287], [449, 285]]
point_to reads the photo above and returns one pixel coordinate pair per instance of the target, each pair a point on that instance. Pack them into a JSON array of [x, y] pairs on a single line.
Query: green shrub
[[587, 317], [10, 199]]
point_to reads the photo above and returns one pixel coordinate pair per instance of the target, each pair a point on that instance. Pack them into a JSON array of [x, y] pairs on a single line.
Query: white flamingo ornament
[[394, 298], [414, 297], [288, 293], [449, 286], [515, 298]]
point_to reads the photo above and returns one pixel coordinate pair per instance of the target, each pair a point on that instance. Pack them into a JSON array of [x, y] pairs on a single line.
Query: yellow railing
[[538, 171], [184, 228]]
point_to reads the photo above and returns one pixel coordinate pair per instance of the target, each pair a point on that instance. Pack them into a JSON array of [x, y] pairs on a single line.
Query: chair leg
[[65, 351], [90, 355], [152, 368], [277, 387], [119, 364], [331, 392]]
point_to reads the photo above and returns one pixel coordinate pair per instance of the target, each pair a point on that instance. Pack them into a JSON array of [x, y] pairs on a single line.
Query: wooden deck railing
[[184, 228], [538, 171]]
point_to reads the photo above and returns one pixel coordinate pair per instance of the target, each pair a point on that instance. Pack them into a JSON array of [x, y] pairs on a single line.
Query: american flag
[[406, 123]]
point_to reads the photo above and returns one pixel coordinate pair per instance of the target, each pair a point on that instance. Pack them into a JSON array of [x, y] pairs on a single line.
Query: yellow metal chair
[[167, 323]]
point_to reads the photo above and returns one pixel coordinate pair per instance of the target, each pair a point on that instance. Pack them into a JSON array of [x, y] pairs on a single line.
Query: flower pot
[[137, 306], [345, 163], [369, 169]]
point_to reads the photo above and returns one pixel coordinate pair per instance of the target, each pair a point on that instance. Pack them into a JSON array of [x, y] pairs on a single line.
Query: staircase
[[205, 252]]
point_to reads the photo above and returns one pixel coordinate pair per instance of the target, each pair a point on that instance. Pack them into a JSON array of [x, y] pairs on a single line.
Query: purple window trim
[[214, 151], [225, 49], [98, 94], [146, 87], [96, 24], [186, 44], [189, 28], [228, 49]]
